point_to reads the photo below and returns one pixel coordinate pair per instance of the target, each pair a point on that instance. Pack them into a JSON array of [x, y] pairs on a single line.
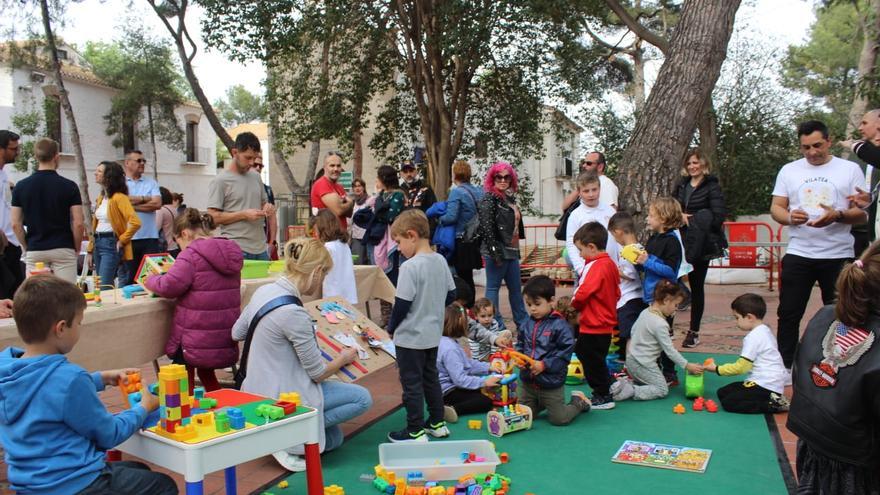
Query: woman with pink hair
[[501, 228]]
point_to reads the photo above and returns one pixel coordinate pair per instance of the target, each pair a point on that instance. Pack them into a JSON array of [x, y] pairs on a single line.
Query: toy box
[[438, 460], [508, 419]]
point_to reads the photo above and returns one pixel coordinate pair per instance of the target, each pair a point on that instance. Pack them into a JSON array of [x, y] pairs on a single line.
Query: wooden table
[[130, 332]]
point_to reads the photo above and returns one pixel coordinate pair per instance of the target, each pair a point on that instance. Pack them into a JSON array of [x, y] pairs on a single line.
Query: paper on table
[[388, 346]]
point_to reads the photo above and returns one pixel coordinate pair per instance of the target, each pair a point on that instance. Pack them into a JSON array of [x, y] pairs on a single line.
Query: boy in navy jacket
[[546, 338]]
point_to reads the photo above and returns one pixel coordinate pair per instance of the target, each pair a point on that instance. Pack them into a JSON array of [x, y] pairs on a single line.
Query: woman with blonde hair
[[284, 354]]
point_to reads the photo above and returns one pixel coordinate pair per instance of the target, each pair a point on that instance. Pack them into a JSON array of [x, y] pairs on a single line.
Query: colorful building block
[[678, 409], [270, 411], [504, 457], [207, 403], [199, 392], [711, 406], [236, 418], [475, 424], [288, 407], [333, 490], [292, 397], [283, 484], [134, 385]]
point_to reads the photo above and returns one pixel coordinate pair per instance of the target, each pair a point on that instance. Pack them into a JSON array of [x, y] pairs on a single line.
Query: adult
[[113, 224], [285, 356], [608, 191], [271, 224], [361, 201], [703, 212], [238, 201], [143, 192], [868, 150], [328, 193], [389, 203], [417, 193], [501, 228], [165, 219], [461, 207], [11, 271], [51, 208], [810, 196]]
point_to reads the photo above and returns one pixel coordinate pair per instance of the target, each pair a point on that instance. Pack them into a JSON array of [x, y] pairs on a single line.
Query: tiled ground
[[719, 335]]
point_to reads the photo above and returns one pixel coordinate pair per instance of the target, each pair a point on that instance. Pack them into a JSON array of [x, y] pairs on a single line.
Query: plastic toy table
[[194, 460]]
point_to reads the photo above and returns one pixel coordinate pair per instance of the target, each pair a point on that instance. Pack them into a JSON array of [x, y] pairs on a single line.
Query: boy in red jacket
[[596, 300]]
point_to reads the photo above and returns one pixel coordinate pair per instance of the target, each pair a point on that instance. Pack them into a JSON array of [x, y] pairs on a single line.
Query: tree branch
[[637, 29], [614, 48]]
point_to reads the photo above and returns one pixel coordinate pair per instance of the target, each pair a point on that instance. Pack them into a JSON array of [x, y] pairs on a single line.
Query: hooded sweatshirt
[[205, 279], [53, 425]]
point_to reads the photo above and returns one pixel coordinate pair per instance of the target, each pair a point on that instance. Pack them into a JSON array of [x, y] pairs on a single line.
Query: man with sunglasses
[[608, 190], [145, 197], [13, 271]]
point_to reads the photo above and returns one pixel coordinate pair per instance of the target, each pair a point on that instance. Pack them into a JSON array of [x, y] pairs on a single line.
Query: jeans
[[264, 256], [106, 258], [130, 477], [128, 269], [342, 402], [509, 273]]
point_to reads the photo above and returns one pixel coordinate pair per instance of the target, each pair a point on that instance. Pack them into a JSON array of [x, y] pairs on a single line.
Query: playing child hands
[[112, 378], [694, 368], [710, 367], [643, 257], [504, 339], [491, 381]]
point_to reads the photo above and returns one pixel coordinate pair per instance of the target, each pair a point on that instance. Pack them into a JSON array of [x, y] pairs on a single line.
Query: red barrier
[[540, 251]]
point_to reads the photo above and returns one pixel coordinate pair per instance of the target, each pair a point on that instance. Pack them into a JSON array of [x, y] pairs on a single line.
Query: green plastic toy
[[693, 386]]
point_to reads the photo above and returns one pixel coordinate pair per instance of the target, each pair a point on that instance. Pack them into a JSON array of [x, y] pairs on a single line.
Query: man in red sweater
[[596, 300]]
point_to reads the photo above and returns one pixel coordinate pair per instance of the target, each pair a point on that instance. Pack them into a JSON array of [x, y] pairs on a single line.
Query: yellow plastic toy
[[575, 374], [475, 424], [333, 490], [631, 252]]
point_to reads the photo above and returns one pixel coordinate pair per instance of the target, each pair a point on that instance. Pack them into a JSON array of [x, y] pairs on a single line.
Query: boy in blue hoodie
[[52, 423], [547, 339]]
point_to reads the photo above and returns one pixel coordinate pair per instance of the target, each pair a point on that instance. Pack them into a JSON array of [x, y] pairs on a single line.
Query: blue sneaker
[[405, 435]]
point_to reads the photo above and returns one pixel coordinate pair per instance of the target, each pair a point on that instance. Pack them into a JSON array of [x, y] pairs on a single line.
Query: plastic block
[[199, 392], [207, 403], [153, 388], [380, 484], [134, 398], [236, 418], [333, 490], [283, 484], [475, 424], [172, 400], [367, 478], [289, 397], [172, 412], [678, 409], [288, 407], [504, 457], [711, 406], [204, 419]]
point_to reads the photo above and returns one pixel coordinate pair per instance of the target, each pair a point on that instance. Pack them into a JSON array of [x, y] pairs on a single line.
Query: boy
[[590, 210], [52, 423], [596, 299], [762, 392], [484, 332], [631, 303], [416, 324], [547, 339]]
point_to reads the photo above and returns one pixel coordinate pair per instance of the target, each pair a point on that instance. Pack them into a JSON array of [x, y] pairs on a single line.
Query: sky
[[778, 22]]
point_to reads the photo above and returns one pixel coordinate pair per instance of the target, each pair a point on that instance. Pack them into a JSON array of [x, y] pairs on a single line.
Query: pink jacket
[[205, 280]]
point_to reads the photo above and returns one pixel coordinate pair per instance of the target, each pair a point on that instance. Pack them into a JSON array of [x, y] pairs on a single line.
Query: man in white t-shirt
[[609, 192], [810, 196], [591, 209], [11, 257]]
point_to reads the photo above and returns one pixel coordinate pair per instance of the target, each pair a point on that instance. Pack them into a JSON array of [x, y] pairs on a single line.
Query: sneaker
[[787, 377], [602, 402], [671, 379], [449, 414], [437, 430], [290, 462], [405, 435], [619, 379], [625, 390], [691, 340], [779, 402], [580, 400]]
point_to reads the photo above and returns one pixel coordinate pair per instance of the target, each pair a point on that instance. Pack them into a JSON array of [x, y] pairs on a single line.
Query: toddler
[[484, 332]]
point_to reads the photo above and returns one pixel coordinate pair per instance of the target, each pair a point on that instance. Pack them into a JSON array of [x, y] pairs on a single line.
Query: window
[[192, 131], [62, 54]]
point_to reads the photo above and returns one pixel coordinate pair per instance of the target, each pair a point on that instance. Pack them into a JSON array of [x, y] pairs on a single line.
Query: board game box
[[663, 456]]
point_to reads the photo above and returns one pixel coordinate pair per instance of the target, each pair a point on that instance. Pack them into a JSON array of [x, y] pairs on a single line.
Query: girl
[[339, 281], [461, 378], [165, 220], [662, 259], [835, 409], [284, 354], [114, 223], [650, 338], [361, 200], [205, 280]]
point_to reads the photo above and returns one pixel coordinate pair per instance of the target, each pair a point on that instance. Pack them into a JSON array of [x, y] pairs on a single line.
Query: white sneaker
[[290, 462], [449, 414], [625, 391], [618, 382], [787, 377]]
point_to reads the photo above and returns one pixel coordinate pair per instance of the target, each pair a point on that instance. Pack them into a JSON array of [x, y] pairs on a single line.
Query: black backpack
[[563, 220]]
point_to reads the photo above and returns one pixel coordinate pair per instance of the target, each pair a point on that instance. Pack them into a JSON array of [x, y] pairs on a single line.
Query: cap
[[407, 165]]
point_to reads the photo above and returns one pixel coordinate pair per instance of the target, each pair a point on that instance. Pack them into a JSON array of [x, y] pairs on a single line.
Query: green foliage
[[28, 125], [610, 130], [240, 106]]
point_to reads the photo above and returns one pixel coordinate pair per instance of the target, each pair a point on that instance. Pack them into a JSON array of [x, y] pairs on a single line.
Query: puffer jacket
[[704, 238], [840, 420], [205, 280], [550, 340], [496, 227]]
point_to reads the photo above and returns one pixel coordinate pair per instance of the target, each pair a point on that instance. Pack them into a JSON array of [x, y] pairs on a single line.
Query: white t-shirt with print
[[809, 186], [759, 347]]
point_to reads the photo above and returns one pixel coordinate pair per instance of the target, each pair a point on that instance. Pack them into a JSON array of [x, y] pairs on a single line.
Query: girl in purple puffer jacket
[[205, 280]]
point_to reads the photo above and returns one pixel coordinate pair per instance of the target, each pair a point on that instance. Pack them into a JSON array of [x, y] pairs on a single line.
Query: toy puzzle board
[[326, 332], [663, 456], [248, 404]]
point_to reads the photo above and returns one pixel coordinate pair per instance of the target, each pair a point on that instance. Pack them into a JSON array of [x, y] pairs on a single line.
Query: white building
[[26, 89]]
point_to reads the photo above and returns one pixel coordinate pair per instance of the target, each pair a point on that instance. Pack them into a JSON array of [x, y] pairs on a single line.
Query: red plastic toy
[[711, 406], [698, 404]]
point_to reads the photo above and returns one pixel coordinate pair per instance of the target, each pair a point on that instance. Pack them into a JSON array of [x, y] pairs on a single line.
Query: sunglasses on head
[[294, 251]]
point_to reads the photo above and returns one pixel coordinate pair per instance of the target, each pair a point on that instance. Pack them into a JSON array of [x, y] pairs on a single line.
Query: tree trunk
[[312, 165], [638, 84], [279, 161], [153, 142], [71, 120], [707, 126], [664, 130], [867, 65], [357, 151]]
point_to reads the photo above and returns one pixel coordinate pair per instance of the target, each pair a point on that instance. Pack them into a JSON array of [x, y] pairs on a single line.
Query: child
[[661, 260], [417, 324], [339, 281], [650, 337], [461, 378], [53, 426], [590, 210], [835, 407], [596, 299], [631, 302], [762, 392], [546, 338], [205, 280], [484, 333]]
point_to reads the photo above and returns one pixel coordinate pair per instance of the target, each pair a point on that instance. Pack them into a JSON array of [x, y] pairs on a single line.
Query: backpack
[[267, 308], [563, 220]]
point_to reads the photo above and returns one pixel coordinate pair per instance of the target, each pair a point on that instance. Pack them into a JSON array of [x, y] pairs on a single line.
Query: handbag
[[563, 220], [267, 308]]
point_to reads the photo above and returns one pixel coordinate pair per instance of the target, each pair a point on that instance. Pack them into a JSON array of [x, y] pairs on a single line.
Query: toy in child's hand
[[131, 388], [631, 252], [153, 264]]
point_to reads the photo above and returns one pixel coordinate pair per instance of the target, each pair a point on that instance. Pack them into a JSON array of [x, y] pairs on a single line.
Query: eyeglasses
[[503, 178], [589, 163], [141, 160]]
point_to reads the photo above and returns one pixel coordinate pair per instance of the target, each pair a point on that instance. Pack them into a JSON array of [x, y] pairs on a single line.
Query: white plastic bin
[[437, 460]]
